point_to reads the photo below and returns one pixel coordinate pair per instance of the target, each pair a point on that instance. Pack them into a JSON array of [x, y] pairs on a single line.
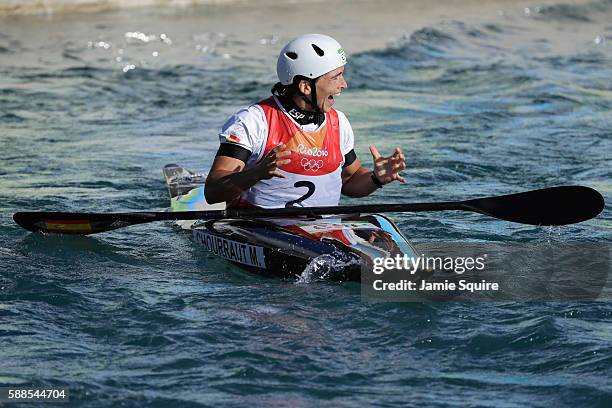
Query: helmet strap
[[313, 95]]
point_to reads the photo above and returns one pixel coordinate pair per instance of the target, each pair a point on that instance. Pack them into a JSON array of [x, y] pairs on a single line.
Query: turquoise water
[[142, 317]]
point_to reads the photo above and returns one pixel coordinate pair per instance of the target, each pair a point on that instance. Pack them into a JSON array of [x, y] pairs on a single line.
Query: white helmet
[[309, 55]]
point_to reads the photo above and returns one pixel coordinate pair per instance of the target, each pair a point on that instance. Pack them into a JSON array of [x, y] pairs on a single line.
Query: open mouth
[[330, 98]]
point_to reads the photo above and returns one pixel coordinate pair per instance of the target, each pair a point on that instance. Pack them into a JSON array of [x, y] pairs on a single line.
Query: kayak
[[315, 248], [332, 243]]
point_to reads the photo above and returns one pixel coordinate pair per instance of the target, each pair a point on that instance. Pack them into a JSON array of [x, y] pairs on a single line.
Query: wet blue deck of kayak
[[518, 100]]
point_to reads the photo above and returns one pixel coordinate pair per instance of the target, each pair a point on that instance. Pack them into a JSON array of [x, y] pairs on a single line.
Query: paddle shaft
[[142, 217], [549, 206]]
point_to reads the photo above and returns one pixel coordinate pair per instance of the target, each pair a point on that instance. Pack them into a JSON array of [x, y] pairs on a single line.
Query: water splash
[[335, 266], [318, 269]]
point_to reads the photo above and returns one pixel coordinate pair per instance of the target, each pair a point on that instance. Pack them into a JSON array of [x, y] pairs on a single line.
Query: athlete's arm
[[358, 181], [227, 178]]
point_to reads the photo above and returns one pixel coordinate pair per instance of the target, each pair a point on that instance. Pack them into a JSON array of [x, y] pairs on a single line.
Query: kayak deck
[[332, 249]]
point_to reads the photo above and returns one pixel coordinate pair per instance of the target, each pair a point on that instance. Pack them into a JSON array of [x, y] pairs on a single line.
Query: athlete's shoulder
[[340, 119], [347, 138], [246, 127], [250, 113], [251, 119]]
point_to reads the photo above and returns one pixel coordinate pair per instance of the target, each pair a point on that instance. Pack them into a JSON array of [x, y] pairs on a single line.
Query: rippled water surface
[[517, 96]]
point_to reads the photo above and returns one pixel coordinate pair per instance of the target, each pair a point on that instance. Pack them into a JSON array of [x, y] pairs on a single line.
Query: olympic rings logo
[[311, 164]]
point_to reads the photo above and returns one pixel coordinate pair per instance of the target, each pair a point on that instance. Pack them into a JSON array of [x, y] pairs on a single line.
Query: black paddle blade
[[76, 223], [549, 206]]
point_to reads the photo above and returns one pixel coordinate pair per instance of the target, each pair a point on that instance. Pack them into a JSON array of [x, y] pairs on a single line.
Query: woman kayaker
[[294, 148]]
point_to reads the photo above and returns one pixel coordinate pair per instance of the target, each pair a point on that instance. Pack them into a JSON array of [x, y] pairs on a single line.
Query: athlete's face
[[329, 86]]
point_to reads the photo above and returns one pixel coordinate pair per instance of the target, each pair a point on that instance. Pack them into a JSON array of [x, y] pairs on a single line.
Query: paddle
[[549, 206]]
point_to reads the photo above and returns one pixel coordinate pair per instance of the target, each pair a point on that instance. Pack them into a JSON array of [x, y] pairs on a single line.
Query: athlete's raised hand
[[387, 169], [267, 168]]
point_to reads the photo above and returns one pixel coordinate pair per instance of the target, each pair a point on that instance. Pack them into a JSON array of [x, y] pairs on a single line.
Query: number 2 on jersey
[[311, 188]]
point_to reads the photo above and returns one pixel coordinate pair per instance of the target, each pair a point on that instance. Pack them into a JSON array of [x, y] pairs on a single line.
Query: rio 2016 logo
[[312, 151], [311, 164]]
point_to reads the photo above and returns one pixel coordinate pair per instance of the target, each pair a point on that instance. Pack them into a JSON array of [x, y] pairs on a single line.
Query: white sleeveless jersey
[[313, 178]]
